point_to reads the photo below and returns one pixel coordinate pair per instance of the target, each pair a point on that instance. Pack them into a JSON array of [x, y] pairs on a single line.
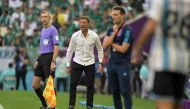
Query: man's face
[[45, 18], [83, 24], [117, 16]]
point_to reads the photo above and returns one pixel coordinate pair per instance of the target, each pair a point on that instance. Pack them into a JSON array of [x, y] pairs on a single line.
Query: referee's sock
[[39, 93]]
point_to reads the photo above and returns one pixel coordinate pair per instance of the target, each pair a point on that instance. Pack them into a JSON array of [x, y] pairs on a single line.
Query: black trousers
[[21, 74], [76, 72], [62, 81]]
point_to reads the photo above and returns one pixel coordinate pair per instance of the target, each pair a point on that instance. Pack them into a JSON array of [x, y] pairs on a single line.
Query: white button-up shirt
[[84, 48]]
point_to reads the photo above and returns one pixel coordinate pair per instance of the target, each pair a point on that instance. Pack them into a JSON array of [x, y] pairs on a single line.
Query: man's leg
[[1, 86], [58, 84], [169, 89], [24, 80], [76, 72], [39, 93], [114, 86], [17, 79], [44, 66], [90, 76], [124, 83], [103, 81], [161, 104], [64, 82], [52, 73]]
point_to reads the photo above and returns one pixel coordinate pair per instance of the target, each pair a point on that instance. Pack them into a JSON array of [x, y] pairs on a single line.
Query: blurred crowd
[[20, 24], [20, 28]]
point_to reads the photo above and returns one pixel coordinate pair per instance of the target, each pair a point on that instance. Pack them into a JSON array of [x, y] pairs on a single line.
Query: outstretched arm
[[70, 51], [100, 54]]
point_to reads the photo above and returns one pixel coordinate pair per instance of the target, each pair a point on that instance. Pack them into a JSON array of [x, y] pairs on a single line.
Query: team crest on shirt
[[56, 37]]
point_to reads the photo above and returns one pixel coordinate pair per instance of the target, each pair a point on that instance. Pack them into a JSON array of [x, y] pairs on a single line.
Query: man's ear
[[124, 15]]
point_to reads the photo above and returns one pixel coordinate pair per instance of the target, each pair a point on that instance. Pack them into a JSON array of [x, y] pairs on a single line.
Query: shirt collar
[[87, 33]]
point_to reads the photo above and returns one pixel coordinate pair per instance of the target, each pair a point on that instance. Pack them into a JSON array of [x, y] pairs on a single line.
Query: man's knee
[[125, 93], [36, 82], [91, 87], [115, 92]]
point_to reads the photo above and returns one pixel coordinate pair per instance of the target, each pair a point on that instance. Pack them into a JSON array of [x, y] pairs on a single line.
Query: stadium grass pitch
[[28, 100]]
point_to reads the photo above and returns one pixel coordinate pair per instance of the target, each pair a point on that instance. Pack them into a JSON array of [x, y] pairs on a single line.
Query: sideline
[[1, 107]]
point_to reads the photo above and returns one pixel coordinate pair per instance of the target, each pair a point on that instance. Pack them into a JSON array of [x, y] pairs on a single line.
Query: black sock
[[55, 91], [40, 95]]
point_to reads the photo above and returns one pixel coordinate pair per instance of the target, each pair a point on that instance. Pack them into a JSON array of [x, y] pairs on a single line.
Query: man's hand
[[53, 66], [115, 28], [35, 64], [108, 40], [136, 57], [100, 68], [68, 70]]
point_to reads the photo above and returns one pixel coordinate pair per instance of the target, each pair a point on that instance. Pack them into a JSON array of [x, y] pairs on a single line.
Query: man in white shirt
[[169, 55], [83, 43]]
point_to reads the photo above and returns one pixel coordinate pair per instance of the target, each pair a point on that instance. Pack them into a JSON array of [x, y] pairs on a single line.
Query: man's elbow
[[124, 48], [104, 47], [123, 51], [56, 47]]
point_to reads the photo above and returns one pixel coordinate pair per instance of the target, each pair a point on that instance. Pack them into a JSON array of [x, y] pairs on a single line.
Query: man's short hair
[[85, 17], [121, 9], [44, 11]]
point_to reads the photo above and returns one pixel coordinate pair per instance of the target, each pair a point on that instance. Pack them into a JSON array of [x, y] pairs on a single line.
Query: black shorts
[[43, 67], [169, 86]]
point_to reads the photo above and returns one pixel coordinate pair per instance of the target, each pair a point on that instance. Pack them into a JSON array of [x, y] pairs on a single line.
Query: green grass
[[28, 100]]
